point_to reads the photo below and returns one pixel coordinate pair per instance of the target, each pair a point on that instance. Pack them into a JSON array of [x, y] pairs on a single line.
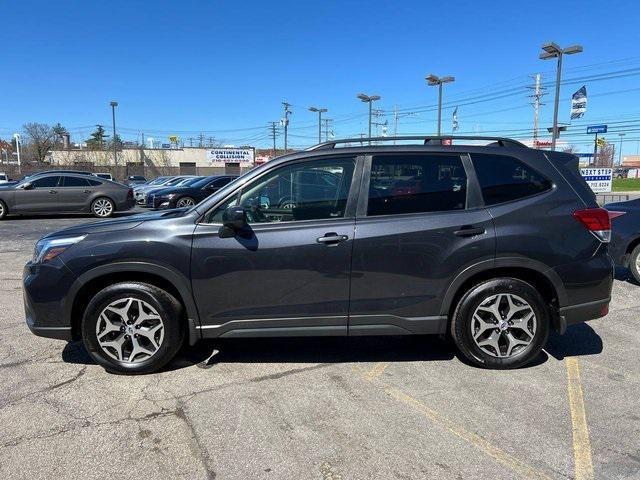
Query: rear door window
[[504, 178], [416, 183], [75, 182]]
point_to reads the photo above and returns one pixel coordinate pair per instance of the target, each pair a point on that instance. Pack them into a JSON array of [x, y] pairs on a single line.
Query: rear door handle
[[332, 238], [469, 231]]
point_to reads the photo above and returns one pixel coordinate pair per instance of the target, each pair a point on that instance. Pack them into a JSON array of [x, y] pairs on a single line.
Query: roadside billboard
[[599, 179], [230, 155]]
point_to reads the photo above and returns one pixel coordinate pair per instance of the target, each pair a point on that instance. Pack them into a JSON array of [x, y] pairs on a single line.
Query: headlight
[[49, 248]]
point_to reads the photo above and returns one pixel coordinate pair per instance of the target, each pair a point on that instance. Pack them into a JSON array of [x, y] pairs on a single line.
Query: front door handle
[[53, 191], [87, 191], [332, 238], [469, 231]]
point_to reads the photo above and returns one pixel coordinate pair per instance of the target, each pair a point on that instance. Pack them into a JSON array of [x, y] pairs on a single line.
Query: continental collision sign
[[230, 155]]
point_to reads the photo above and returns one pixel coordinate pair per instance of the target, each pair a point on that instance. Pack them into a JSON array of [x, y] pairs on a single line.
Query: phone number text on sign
[[599, 179]]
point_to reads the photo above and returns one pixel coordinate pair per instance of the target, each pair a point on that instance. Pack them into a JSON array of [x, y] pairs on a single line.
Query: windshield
[[159, 181]]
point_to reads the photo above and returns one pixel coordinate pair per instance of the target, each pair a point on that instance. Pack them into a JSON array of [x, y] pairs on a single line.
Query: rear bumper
[[582, 313]]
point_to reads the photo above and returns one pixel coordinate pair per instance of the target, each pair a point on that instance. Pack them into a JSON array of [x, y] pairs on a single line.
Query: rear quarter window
[[503, 179]]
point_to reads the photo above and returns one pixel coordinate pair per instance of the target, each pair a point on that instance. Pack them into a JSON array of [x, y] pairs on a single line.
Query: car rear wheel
[[185, 202], [501, 323], [634, 262], [3, 210], [102, 207], [132, 327]]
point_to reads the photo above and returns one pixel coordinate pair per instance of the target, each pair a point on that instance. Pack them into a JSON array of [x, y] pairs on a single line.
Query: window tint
[[74, 182], [416, 183], [305, 191], [46, 182], [93, 183], [221, 182], [505, 178]]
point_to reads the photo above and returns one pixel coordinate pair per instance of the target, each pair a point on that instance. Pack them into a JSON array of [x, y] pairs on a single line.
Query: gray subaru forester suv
[[493, 245]]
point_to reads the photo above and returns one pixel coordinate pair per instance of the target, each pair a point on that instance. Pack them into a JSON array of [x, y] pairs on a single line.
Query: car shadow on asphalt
[[579, 340]]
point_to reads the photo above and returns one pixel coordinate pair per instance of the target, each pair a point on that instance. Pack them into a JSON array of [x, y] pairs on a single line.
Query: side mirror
[[27, 186], [233, 220]]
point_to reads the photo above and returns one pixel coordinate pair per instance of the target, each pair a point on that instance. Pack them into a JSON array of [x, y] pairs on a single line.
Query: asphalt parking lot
[[405, 408]]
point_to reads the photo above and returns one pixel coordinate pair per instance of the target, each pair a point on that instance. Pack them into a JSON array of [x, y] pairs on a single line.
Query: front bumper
[[44, 293]]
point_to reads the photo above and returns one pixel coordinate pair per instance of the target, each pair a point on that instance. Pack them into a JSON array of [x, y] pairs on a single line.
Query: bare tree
[[39, 137], [605, 156]]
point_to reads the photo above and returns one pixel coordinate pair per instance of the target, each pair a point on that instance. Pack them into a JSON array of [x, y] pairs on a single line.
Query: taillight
[[597, 221], [130, 193]]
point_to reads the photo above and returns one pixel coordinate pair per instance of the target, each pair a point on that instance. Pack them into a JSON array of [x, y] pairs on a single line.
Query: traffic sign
[[597, 129]]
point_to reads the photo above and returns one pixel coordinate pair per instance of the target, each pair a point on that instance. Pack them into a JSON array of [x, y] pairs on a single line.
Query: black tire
[[634, 263], [461, 324], [3, 210], [168, 308], [110, 209]]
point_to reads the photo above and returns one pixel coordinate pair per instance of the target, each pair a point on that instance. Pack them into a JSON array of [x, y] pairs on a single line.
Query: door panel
[[286, 272], [73, 195], [417, 228], [41, 198], [278, 277]]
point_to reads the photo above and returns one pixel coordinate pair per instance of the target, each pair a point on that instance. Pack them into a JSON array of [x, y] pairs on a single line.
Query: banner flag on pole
[[579, 103], [454, 120]]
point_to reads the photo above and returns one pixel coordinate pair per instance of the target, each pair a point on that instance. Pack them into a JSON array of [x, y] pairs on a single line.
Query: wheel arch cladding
[[535, 278], [95, 280]]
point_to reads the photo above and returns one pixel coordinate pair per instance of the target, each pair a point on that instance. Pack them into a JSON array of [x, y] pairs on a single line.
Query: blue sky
[[224, 67]]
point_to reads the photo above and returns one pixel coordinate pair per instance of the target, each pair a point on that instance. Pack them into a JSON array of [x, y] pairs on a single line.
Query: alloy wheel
[[1, 210], [503, 325], [103, 207], [130, 330], [185, 202]]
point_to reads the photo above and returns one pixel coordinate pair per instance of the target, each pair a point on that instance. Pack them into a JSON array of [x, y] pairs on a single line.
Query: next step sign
[[599, 179]]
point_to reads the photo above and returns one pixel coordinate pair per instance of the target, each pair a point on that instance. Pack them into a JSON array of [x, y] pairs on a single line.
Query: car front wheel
[[185, 202], [132, 327], [3, 210], [501, 323]]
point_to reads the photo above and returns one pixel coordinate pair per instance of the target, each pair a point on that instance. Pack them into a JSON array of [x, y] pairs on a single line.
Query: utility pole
[[285, 123], [113, 140], [142, 139], [191, 141], [620, 149], [273, 136], [539, 92], [326, 128], [320, 112], [201, 140], [433, 80], [396, 118], [369, 99], [553, 50]]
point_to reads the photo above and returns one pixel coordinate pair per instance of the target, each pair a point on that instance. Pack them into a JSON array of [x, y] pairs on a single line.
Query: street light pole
[[433, 80], [320, 112], [113, 117], [369, 99], [17, 137], [553, 50], [620, 149]]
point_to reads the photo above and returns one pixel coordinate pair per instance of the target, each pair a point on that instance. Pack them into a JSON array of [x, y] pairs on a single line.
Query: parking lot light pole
[[553, 50], [320, 112], [432, 81], [17, 138], [620, 149], [113, 116], [369, 99]]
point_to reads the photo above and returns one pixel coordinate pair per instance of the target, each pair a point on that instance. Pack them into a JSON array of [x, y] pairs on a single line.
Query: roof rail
[[427, 140]]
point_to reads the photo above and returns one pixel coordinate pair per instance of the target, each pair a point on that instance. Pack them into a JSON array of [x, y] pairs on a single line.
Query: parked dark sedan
[[65, 193], [625, 235], [181, 196]]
